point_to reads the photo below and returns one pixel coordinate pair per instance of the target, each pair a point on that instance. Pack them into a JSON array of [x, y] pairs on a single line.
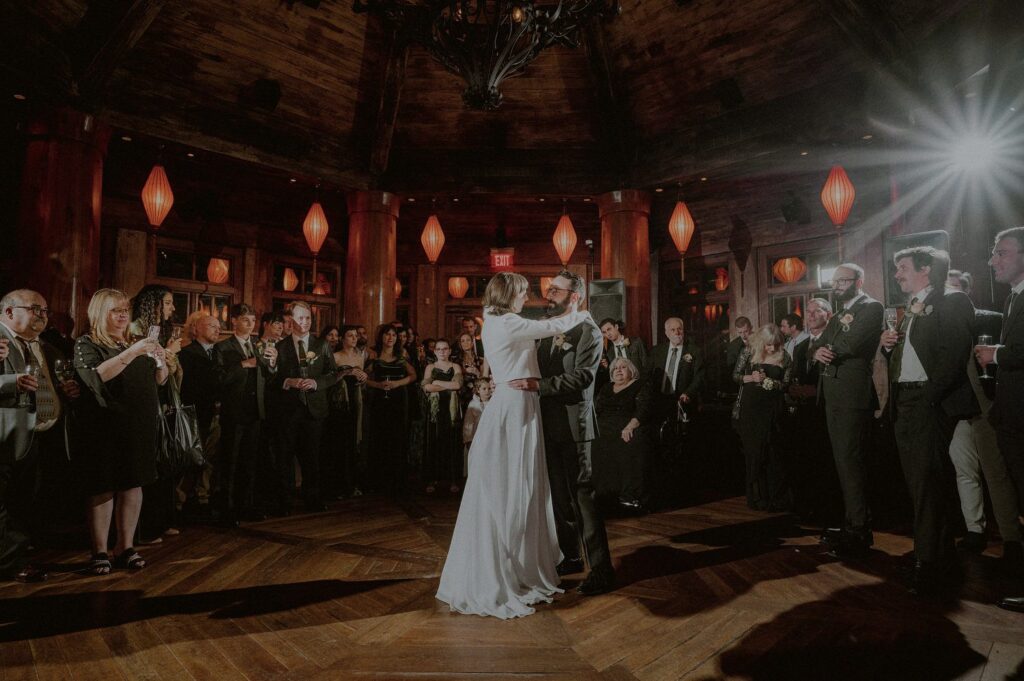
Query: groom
[[568, 363]]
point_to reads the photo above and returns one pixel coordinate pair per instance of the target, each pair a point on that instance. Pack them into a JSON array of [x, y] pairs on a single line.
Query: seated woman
[[442, 456], [621, 454], [763, 373], [117, 426]]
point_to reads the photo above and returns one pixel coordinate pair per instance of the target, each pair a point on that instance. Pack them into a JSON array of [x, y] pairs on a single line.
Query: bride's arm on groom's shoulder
[[520, 328]]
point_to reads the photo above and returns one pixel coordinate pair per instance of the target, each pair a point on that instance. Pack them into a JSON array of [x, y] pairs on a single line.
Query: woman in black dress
[[474, 366], [762, 372], [387, 403], [339, 452], [118, 425], [621, 452], [442, 456]]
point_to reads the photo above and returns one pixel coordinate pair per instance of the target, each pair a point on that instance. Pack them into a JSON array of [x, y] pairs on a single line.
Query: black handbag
[[181, 446]]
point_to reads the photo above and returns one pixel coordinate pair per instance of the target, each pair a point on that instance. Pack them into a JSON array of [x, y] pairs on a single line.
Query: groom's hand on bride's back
[[531, 384]]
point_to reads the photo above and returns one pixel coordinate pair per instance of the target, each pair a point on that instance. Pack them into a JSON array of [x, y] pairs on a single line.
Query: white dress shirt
[[911, 369]]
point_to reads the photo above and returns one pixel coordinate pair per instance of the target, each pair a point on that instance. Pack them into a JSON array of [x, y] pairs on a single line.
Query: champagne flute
[[154, 335], [984, 339], [267, 344], [891, 318], [176, 333], [25, 397]]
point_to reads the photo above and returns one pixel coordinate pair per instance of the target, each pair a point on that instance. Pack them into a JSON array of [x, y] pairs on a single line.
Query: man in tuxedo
[[811, 469], [792, 328], [306, 370], [1007, 263], [732, 353], [846, 350], [617, 344], [243, 372], [34, 440], [200, 386], [568, 364], [676, 373], [928, 369]]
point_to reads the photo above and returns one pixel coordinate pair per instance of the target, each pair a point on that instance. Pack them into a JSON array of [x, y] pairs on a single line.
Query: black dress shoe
[[831, 536], [849, 546], [934, 579], [1014, 603], [31, 574], [569, 566], [597, 582], [973, 542]]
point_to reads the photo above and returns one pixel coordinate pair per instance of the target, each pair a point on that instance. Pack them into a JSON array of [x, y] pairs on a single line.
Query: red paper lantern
[[837, 196], [721, 279], [564, 239], [432, 239], [218, 270], [458, 287], [315, 228], [157, 197], [681, 227], [789, 270]]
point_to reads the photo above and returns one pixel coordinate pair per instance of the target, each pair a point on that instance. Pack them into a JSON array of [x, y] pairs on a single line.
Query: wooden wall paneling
[[133, 260], [431, 290]]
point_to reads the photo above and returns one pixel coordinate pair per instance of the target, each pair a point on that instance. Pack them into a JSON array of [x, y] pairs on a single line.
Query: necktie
[[670, 374], [45, 397], [620, 351], [896, 361], [247, 349], [303, 368], [302, 352], [209, 353], [1006, 316]]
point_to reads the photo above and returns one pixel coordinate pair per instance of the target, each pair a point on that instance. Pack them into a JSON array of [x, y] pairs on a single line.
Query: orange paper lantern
[[458, 287], [789, 270], [837, 196], [545, 284], [319, 290], [564, 239], [721, 279], [315, 227], [218, 270], [432, 239], [681, 228], [398, 289], [291, 280], [157, 197]]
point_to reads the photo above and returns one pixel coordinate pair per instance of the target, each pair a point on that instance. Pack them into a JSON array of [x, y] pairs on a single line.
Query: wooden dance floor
[[707, 592]]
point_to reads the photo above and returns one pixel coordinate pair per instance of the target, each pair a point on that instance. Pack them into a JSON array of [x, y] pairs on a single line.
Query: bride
[[504, 550]]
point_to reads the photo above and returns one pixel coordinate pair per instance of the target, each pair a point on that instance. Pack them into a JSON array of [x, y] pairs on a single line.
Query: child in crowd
[[482, 392]]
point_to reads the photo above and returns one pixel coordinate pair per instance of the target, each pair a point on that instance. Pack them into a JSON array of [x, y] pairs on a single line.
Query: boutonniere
[[561, 342], [846, 320], [625, 343], [688, 358], [310, 356], [920, 309]]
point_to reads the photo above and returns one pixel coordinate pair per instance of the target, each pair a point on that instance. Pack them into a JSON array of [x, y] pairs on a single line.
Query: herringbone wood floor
[[707, 592]]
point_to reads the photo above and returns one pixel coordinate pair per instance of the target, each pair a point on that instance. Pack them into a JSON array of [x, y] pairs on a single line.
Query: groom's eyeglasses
[[555, 289]]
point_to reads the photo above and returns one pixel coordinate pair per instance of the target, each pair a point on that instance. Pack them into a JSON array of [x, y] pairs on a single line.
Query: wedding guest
[[272, 327], [244, 370], [200, 386], [387, 403], [287, 329], [442, 457], [342, 433], [118, 429], [474, 365], [960, 281], [34, 439], [763, 374], [481, 396], [792, 328], [331, 334], [153, 306], [306, 372], [617, 344], [928, 365], [743, 328], [471, 326], [621, 451], [675, 371]]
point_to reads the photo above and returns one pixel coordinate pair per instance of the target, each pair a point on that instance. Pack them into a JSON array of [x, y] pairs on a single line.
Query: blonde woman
[[118, 426], [762, 371], [504, 549]]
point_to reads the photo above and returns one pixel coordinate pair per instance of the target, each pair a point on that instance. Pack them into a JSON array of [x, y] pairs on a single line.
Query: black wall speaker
[[607, 299]]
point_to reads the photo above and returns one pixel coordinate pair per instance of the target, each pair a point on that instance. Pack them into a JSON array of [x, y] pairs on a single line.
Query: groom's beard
[[554, 309]]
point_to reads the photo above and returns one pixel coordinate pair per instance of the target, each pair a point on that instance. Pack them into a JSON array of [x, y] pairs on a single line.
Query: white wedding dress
[[504, 550]]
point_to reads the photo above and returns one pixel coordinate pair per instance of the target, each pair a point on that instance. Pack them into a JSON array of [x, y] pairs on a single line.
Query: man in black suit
[[1007, 263], [568, 364], [810, 469], [617, 344], [732, 353], [928, 370], [846, 351], [676, 373], [470, 326], [200, 386], [34, 433], [306, 370], [243, 371]]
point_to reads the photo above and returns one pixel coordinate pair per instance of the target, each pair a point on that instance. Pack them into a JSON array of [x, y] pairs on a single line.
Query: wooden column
[[371, 258], [59, 215], [429, 303], [626, 253]]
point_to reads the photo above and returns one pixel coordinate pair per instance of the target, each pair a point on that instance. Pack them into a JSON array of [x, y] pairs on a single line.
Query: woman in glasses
[[118, 426]]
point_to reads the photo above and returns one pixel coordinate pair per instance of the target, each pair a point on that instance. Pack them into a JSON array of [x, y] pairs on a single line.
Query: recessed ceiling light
[[803, 153], [703, 179], [190, 155], [411, 199], [867, 137], [456, 199], [658, 190], [20, 97], [586, 199], [542, 199], [126, 138]]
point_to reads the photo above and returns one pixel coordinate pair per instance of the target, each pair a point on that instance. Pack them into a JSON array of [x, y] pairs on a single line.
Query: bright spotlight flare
[[973, 153]]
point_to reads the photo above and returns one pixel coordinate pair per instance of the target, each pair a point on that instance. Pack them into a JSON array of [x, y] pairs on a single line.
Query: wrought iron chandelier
[[487, 41]]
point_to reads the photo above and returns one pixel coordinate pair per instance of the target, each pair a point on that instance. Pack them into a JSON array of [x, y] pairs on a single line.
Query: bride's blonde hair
[[502, 291]]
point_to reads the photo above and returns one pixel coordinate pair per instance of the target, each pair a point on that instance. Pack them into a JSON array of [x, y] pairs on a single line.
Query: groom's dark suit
[[567, 407]]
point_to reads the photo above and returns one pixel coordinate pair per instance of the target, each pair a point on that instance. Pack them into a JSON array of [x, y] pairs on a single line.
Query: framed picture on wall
[[937, 238]]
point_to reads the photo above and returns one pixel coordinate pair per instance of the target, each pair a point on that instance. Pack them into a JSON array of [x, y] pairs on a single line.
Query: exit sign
[[503, 259]]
